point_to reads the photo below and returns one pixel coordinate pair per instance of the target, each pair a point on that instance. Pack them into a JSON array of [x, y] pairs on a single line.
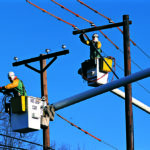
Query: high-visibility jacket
[[93, 52], [17, 87]]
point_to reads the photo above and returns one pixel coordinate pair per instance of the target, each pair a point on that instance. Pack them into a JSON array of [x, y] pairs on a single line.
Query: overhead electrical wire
[[75, 27], [111, 21], [143, 51], [10, 147], [77, 15], [87, 132], [25, 141], [148, 91]]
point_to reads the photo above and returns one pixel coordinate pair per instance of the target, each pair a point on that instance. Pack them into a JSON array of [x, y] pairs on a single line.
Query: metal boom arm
[[105, 88]]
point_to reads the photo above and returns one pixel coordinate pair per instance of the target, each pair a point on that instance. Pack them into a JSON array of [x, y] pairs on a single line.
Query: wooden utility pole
[[128, 88], [46, 137], [127, 66]]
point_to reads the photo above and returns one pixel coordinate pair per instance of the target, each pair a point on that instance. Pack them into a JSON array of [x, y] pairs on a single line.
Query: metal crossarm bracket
[[49, 64], [100, 28], [32, 68], [40, 58]]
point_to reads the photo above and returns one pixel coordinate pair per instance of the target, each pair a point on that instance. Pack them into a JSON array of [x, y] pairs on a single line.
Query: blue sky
[[26, 32]]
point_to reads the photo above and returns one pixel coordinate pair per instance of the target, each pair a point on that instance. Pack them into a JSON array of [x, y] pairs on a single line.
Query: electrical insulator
[[92, 24], [110, 21], [16, 58], [47, 51], [63, 46], [75, 28]]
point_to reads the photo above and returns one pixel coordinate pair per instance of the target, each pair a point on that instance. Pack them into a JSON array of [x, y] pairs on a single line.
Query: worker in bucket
[[16, 86], [94, 43]]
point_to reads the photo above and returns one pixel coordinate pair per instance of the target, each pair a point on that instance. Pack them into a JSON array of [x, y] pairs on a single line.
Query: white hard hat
[[11, 75], [95, 35]]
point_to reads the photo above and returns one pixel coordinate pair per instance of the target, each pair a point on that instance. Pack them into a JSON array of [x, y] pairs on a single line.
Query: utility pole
[[127, 66], [43, 67], [46, 137], [128, 88]]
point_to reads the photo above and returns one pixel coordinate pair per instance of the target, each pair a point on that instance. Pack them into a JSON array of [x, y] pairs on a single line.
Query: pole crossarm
[[100, 28], [41, 71], [102, 89], [41, 58]]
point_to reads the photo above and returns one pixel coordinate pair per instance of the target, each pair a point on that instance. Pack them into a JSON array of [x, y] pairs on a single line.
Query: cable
[[143, 51], [26, 141], [72, 12], [132, 61], [111, 21], [4, 146], [87, 132], [52, 15], [148, 91]]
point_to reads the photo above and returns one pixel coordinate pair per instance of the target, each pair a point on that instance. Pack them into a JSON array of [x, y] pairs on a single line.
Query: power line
[[7, 146], [143, 87], [52, 14], [148, 91], [25, 141], [77, 15], [86, 132], [133, 61], [143, 51]]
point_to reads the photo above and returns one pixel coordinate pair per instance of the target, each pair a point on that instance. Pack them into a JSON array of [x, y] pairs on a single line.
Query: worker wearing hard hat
[[95, 42], [16, 86]]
